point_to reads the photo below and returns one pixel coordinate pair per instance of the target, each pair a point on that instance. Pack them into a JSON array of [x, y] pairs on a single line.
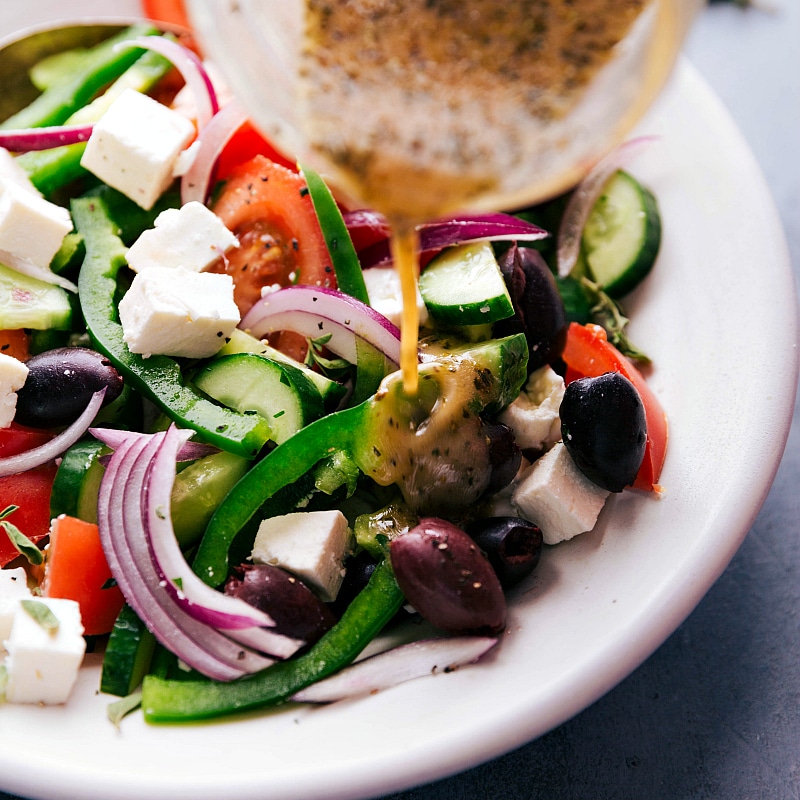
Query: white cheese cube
[[533, 416], [311, 545], [13, 587], [42, 664], [31, 227], [191, 237], [176, 312], [386, 297], [134, 146], [555, 495], [11, 169], [13, 374]]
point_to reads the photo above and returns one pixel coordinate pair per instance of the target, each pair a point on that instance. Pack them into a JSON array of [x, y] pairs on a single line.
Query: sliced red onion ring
[[583, 199], [196, 181], [229, 614], [315, 311], [462, 229], [113, 438], [25, 267], [128, 556], [395, 666], [24, 140], [11, 465], [191, 69]]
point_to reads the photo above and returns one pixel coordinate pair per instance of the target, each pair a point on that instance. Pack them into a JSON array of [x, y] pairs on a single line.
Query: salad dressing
[[445, 100]]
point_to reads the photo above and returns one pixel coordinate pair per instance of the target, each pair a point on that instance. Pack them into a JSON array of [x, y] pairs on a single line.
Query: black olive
[[61, 383], [604, 429], [296, 610], [539, 309], [512, 545], [505, 456]]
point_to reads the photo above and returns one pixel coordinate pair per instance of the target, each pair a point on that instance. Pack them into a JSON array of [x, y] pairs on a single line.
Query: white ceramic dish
[[718, 316]]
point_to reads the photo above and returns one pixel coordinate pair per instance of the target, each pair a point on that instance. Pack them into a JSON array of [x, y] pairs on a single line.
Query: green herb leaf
[[42, 614], [8, 510], [120, 709], [3, 680], [22, 543], [606, 312]]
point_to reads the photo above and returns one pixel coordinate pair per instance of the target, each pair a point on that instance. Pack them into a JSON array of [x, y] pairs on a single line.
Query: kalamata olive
[[604, 429], [297, 611], [358, 571], [61, 383], [505, 456], [447, 579], [512, 545], [539, 309]]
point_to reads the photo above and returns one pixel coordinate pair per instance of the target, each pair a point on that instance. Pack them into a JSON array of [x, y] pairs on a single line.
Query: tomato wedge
[[588, 354], [171, 11], [14, 343], [76, 569], [268, 207], [30, 491], [244, 145]]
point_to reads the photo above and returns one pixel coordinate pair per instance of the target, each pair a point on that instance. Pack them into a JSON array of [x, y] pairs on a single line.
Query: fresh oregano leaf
[[42, 614], [120, 709], [21, 542]]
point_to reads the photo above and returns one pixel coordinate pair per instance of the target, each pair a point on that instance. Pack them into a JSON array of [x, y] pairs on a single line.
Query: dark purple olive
[[604, 429], [61, 383], [539, 309], [358, 571], [297, 611], [505, 456], [447, 579], [512, 545]]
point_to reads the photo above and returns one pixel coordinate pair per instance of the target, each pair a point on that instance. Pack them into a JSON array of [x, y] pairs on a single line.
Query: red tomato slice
[[17, 439], [14, 343], [588, 353], [244, 145], [76, 569], [31, 492], [171, 11], [268, 207]]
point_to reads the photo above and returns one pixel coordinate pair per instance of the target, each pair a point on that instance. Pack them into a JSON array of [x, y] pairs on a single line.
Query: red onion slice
[[24, 140], [191, 69], [199, 600], [114, 438], [395, 666], [463, 229], [315, 311], [127, 552], [196, 181], [11, 465], [583, 199], [25, 267]]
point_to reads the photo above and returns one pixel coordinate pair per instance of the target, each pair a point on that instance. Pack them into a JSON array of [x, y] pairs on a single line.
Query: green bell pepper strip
[[102, 65], [158, 377], [349, 277], [50, 170], [191, 700], [284, 466]]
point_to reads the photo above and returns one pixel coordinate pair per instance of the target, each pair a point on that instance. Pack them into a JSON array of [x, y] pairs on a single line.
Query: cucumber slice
[[464, 286], [128, 654], [30, 303], [278, 392], [242, 342], [622, 235], [77, 482]]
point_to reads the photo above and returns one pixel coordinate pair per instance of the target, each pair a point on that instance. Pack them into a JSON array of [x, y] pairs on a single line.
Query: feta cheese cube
[[386, 297], [42, 665], [13, 588], [176, 312], [311, 545], [135, 144], [192, 237], [31, 227], [533, 416], [555, 495], [13, 374], [11, 170]]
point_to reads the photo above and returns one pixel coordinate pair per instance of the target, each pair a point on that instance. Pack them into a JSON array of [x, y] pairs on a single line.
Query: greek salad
[[210, 469]]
